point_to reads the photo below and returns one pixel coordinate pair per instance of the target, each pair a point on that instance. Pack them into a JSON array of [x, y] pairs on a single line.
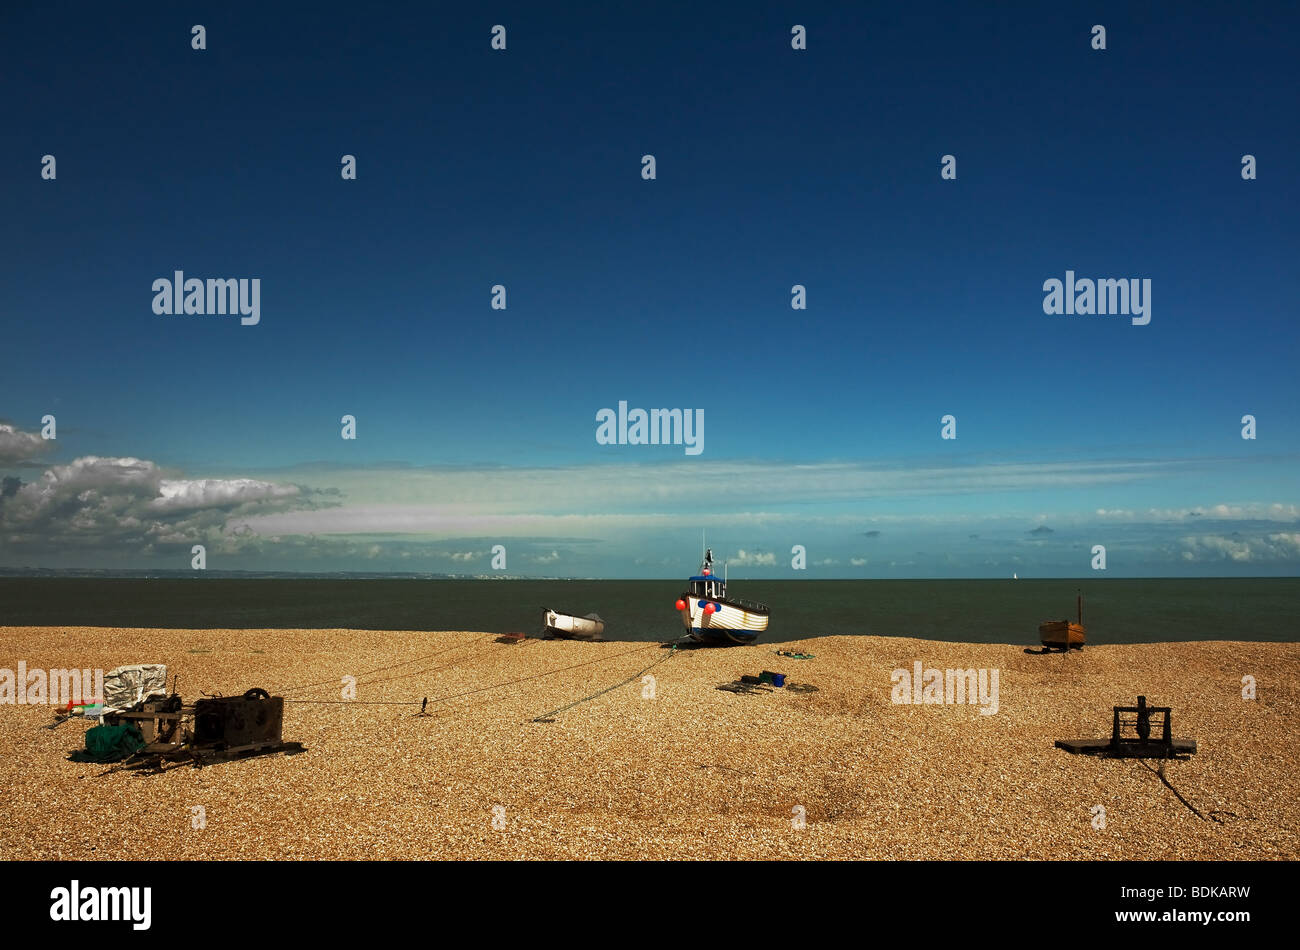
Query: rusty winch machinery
[[213, 729]]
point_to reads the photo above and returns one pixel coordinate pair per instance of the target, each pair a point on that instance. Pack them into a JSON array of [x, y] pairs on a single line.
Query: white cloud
[[1277, 546], [17, 445], [743, 558], [1243, 511], [126, 503], [183, 495]]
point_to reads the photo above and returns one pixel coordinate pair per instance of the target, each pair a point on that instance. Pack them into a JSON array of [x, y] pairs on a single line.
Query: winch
[[215, 728]]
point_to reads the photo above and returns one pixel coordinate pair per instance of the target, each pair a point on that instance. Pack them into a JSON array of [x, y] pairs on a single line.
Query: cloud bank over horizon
[[944, 520]]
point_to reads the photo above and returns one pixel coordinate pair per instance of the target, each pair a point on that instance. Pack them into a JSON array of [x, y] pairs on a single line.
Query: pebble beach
[[665, 767]]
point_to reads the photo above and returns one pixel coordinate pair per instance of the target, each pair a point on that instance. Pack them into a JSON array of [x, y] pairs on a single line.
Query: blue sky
[[775, 167]]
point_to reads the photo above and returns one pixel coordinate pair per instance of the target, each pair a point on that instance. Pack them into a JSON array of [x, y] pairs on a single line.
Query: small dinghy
[[1061, 634], [571, 627]]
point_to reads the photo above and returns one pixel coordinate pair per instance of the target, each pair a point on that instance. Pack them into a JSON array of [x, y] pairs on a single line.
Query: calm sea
[[979, 611]]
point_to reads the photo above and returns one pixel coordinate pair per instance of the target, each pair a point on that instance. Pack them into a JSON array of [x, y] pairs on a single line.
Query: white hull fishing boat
[[711, 616], [570, 627]]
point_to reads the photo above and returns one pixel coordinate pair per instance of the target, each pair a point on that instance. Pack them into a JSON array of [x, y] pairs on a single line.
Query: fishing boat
[[1061, 634], [572, 627], [711, 616]]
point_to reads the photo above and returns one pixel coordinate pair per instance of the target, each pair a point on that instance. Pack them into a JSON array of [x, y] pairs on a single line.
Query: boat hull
[[732, 624], [569, 627], [1061, 634]]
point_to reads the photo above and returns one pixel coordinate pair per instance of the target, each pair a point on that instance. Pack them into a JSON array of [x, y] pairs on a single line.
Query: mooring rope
[[424, 703], [663, 659], [393, 666], [356, 702], [525, 679], [1161, 775], [427, 669]]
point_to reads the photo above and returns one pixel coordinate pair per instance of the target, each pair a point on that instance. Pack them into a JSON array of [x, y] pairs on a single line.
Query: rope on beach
[[357, 702], [391, 666], [423, 704], [1161, 775], [525, 679], [546, 717], [427, 669]]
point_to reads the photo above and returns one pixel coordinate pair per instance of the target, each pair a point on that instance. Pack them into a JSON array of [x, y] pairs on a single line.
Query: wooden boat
[[571, 627], [711, 616], [1062, 634]]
